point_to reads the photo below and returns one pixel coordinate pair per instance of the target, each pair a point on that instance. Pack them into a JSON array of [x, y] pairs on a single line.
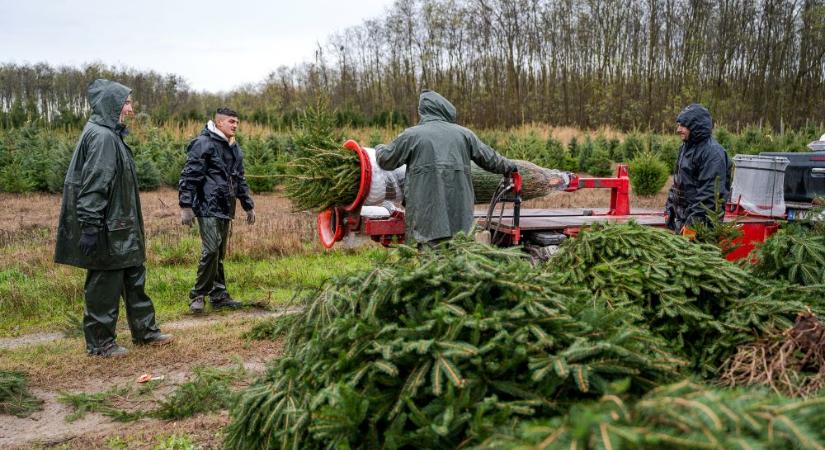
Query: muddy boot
[[111, 351], [196, 305], [226, 302], [156, 340]]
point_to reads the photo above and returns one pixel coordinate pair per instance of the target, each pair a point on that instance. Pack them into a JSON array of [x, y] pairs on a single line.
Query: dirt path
[[212, 340], [8, 343]]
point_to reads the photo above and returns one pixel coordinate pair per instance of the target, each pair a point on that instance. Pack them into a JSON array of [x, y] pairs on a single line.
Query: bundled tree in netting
[[685, 292], [683, 415], [435, 349], [648, 174], [536, 181]]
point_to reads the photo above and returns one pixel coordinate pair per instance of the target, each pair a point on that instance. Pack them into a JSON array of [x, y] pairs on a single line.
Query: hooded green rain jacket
[[438, 189], [101, 189]]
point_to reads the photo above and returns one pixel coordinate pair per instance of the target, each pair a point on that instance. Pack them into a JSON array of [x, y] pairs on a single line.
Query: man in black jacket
[[701, 182], [211, 180]]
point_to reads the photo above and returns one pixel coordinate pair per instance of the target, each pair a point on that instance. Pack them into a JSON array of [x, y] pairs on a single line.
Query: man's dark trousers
[[103, 291], [211, 280]]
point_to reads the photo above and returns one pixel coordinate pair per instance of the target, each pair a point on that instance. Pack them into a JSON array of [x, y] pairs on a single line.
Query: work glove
[[508, 172], [250, 216], [88, 240], [187, 216]]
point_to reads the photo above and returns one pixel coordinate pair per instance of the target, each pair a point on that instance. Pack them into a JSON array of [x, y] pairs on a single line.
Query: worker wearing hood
[[438, 189], [101, 225], [701, 182]]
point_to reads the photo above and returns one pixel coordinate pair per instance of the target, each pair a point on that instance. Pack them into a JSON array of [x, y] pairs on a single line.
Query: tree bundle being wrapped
[[536, 181], [435, 349], [329, 176], [322, 177]]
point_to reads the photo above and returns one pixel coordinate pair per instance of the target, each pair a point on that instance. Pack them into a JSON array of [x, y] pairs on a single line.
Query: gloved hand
[[508, 172], [88, 240], [187, 216], [250, 216]]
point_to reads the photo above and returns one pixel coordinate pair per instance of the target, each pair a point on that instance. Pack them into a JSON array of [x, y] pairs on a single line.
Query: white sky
[[215, 45]]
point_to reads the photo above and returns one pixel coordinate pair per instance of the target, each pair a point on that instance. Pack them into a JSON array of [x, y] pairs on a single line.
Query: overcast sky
[[215, 45]]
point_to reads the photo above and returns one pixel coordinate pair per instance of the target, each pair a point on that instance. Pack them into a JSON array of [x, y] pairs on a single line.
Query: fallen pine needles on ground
[[15, 398], [210, 389]]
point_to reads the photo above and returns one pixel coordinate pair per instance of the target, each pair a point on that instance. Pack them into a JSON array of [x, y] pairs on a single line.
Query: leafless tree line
[[625, 63]]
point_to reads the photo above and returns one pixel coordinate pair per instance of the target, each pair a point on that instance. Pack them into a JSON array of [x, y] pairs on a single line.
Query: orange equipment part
[[333, 222]]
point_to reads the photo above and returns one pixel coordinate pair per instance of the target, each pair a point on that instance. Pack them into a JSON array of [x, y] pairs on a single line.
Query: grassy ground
[[38, 295]]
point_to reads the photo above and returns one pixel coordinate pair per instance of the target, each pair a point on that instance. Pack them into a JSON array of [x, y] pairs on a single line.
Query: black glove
[[88, 240], [508, 172]]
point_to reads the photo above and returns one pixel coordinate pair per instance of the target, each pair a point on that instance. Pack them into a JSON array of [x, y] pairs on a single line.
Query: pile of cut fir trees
[[629, 337]]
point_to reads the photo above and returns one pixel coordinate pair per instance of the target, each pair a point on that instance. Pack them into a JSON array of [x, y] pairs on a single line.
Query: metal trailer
[[540, 231]]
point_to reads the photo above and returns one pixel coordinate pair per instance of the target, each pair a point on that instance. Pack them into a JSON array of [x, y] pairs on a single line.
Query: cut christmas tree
[[329, 176]]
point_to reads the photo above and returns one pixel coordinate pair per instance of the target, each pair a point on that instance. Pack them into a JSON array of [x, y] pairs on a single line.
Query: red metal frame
[[619, 189], [752, 233]]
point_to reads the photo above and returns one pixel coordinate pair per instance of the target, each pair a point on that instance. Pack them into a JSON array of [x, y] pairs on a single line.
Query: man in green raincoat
[[438, 191], [101, 225]]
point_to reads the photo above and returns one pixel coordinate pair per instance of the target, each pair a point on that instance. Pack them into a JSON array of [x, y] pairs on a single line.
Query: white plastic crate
[[758, 184]]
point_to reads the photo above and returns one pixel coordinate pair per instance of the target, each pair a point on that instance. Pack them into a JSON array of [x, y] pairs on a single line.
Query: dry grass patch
[[63, 364]]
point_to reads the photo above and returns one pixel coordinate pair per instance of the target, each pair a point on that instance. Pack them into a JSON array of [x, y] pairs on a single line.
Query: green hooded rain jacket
[[101, 189], [438, 190]]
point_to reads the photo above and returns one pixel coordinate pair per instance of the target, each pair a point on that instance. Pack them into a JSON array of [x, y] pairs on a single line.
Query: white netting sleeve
[[387, 186]]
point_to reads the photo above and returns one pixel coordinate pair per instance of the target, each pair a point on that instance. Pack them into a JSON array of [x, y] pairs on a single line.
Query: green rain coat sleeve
[[395, 154], [488, 159], [96, 180]]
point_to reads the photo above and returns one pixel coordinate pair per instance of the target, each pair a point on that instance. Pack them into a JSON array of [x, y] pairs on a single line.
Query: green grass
[[36, 295]]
